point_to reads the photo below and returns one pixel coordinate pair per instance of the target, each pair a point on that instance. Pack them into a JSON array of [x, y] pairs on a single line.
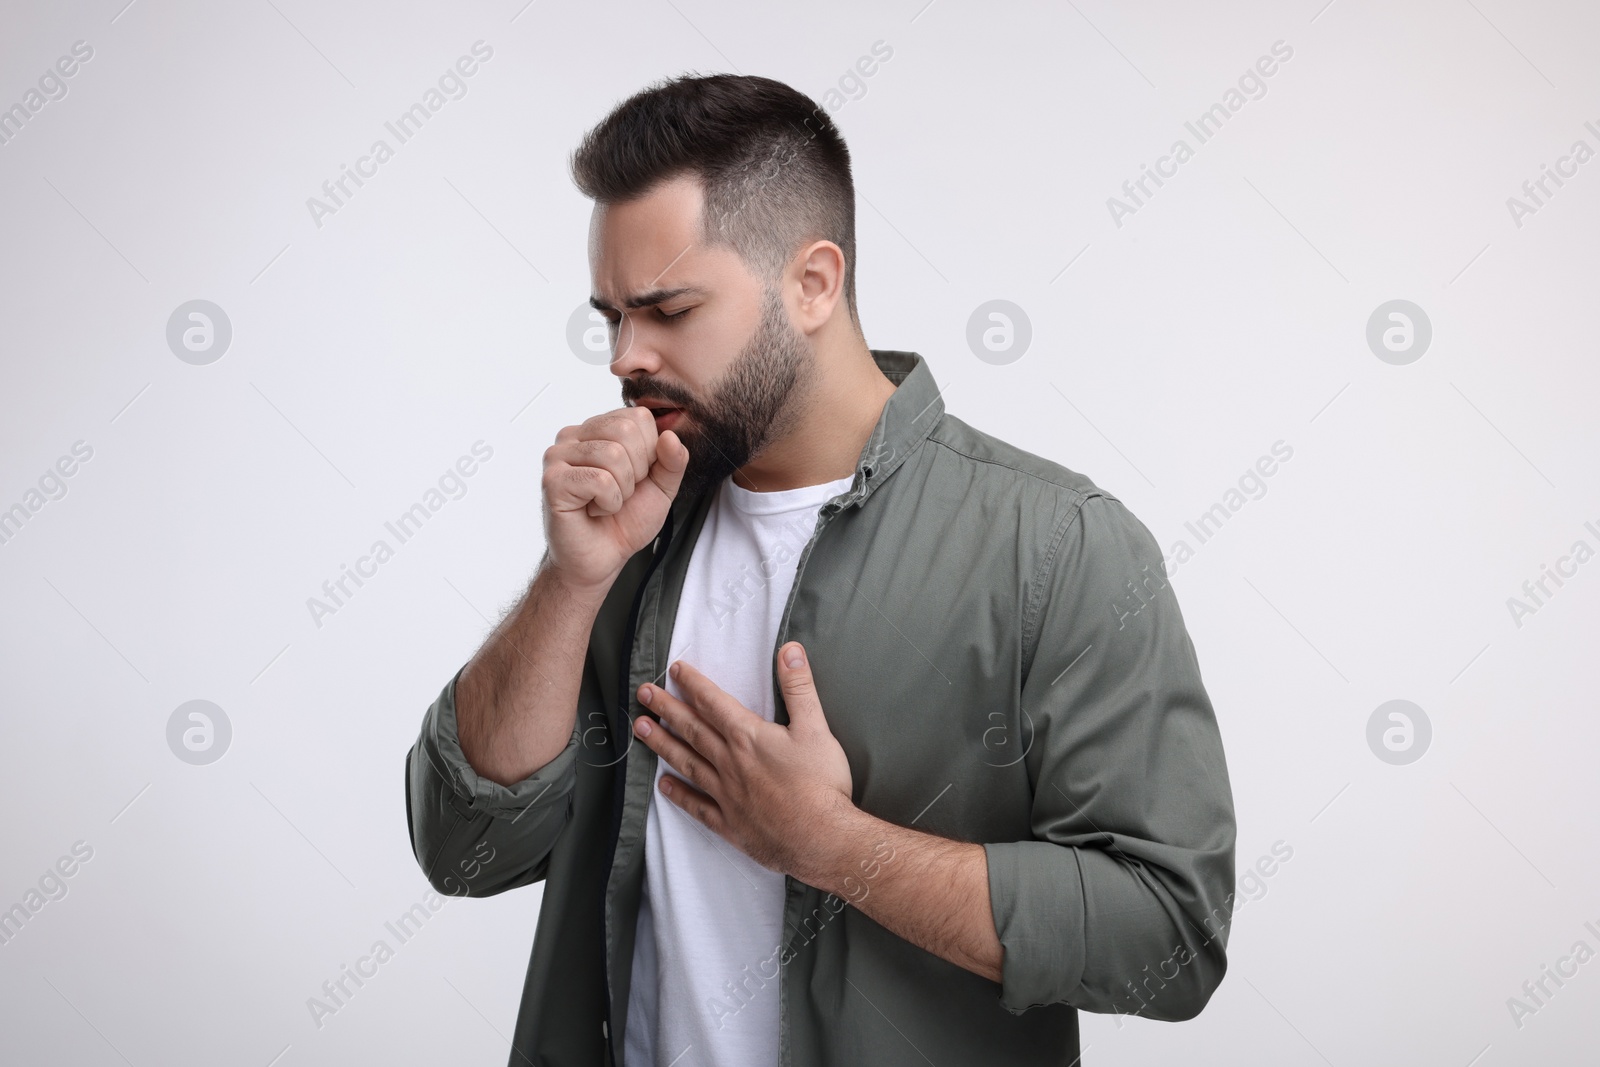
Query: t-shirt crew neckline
[[784, 500]]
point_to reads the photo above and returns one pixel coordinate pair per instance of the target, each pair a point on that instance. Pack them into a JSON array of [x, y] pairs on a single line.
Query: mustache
[[632, 393]]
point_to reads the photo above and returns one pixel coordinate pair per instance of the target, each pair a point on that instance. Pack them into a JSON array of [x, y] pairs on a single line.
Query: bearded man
[[837, 730]]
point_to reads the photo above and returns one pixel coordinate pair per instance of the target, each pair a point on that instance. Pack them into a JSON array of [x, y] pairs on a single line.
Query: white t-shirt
[[705, 960]]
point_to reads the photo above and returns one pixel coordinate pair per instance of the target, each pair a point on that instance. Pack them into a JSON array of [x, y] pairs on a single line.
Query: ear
[[821, 280]]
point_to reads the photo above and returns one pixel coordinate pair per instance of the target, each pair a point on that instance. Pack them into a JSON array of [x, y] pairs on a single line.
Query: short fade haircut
[[773, 169]]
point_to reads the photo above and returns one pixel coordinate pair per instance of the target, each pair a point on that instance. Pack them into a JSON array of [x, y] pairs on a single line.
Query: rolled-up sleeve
[[1121, 901], [473, 836]]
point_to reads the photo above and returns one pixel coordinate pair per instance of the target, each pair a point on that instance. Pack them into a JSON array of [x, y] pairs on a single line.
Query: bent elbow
[[1186, 993]]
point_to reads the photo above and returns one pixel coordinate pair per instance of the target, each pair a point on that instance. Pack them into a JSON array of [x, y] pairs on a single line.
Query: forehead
[[648, 243]]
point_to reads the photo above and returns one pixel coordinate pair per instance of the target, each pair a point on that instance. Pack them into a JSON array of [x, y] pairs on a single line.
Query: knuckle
[[616, 427]]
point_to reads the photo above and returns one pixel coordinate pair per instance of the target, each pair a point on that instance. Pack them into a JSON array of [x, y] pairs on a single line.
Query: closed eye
[[613, 320]]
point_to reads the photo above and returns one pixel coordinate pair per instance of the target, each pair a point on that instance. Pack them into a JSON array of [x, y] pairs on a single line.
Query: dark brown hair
[[773, 169]]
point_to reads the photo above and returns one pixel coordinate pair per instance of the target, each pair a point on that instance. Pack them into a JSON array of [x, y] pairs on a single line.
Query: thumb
[[799, 689], [672, 459]]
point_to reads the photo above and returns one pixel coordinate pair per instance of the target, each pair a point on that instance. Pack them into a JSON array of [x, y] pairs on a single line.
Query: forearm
[[517, 698], [931, 891]]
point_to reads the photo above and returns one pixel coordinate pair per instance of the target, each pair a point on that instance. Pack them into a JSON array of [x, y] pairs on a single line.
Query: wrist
[[585, 594], [842, 832]]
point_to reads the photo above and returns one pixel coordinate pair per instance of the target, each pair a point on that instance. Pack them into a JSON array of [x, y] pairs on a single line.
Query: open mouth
[[666, 418]]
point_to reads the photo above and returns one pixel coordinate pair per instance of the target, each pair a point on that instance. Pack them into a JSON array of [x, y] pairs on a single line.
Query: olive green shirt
[[997, 649]]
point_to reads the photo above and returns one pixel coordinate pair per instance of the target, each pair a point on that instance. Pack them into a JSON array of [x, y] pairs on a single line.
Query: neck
[[831, 423]]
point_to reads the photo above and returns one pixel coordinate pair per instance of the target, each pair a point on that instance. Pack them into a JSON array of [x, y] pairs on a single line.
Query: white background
[[1229, 312]]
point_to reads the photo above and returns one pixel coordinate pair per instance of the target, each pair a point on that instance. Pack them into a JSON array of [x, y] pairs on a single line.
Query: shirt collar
[[908, 417]]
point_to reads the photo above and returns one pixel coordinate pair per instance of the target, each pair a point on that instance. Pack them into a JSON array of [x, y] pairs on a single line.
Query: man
[[837, 730]]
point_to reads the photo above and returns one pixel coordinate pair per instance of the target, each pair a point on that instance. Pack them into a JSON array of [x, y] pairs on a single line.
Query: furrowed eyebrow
[[649, 298]]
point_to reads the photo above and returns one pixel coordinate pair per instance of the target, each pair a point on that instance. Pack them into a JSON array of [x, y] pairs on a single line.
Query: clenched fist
[[607, 486]]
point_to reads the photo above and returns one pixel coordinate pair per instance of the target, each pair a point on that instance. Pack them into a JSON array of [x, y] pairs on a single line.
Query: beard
[[755, 401]]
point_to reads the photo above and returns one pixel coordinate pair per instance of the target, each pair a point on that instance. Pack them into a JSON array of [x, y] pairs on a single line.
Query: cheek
[[696, 360]]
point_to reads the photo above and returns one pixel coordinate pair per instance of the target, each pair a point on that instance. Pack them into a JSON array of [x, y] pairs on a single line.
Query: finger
[[720, 711], [672, 459], [687, 723], [799, 687], [632, 427], [569, 488], [691, 763], [604, 452], [703, 807]]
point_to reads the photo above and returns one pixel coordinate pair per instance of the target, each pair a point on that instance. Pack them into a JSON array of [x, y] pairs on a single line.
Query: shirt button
[[603, 1032]]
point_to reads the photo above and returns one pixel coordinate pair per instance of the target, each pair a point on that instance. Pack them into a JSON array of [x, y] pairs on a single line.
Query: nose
[[631, 352]]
